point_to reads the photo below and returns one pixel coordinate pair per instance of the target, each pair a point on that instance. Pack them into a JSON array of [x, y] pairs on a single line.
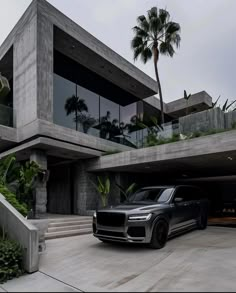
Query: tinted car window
[[151, 195], [184, 192]]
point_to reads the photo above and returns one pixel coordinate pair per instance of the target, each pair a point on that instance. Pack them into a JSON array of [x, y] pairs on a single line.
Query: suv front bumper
[[132, 232]]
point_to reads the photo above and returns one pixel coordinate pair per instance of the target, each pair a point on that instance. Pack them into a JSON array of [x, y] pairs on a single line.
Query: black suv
[[152, 215]]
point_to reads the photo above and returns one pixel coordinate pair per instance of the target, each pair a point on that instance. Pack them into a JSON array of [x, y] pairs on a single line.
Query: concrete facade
[[75, 158]]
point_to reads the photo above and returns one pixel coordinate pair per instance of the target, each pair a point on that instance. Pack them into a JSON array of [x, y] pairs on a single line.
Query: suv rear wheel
[[159, 235]]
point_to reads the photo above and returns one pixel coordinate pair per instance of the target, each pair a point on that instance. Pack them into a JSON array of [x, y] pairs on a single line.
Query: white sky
[[206, 59]]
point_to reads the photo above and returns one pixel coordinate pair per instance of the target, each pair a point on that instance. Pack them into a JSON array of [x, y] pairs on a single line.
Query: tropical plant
[[7, 169], [86, 121], [227, 106], [26, 183], [128, 191], [153, 131], [19, 180], [103, 187], [11, 198], [75, 105], [187, 97], [155, 35], [109, 128], [11, 260]]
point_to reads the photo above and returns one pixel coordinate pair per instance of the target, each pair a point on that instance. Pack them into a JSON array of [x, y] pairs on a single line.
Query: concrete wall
[[230, 119], [20, 230], [202, 121], [25, 74], [85, 195], [44, 68]]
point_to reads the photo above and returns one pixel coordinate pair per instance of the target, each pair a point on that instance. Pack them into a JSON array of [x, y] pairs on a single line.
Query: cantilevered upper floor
[[64, 81]]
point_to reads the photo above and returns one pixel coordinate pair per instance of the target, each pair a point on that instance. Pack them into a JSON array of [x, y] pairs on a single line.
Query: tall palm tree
[[75, 105], [155, 35]]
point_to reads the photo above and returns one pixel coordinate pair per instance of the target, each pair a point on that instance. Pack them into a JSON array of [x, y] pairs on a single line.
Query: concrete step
[[69, 219], [69, 223], [77, 232], [69, 228]]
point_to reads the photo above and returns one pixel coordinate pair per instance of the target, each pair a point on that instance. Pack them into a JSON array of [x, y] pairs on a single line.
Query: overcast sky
[[206, 59]]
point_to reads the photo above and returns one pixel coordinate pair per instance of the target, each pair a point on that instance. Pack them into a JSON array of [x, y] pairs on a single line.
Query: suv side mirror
[[178, 199]]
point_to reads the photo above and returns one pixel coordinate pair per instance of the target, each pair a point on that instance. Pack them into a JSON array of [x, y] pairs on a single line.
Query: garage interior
[[215, 174]]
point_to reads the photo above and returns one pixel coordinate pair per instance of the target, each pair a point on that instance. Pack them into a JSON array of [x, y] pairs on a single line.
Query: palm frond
[[167, 49], [143, 23], [141, 33], [164, 16], [137, 42], [146, 54], [152, 13]]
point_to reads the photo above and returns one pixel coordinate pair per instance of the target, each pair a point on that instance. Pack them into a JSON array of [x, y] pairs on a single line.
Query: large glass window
[[109, 120], [64, 102], [88, 120]]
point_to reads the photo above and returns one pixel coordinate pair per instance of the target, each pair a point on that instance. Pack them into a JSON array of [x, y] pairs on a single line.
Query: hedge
[[11, 198], [11, 258]]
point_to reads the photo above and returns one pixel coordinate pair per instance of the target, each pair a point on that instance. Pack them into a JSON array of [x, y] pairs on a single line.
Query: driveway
[[197, 261]]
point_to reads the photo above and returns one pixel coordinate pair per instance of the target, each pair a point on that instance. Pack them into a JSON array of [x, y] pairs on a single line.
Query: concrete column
[[44, 67], [86, 197], [40, 158], [25, 74]]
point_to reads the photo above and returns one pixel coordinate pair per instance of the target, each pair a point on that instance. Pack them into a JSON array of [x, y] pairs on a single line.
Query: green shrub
[[11, 257], [11, 198]]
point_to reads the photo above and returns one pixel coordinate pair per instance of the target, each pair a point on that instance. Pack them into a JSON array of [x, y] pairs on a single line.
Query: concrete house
[[73, 101]]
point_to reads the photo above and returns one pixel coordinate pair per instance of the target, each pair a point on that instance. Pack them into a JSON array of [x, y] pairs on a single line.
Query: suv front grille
[[111, 219]]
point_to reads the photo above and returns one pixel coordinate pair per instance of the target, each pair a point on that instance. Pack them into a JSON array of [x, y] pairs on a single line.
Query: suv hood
[[134, 207]]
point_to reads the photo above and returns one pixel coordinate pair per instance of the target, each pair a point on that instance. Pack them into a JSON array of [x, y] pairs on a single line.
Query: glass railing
[[6, 116]]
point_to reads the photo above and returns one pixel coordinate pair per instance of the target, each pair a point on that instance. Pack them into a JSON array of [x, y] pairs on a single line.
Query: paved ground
[[197, 261]]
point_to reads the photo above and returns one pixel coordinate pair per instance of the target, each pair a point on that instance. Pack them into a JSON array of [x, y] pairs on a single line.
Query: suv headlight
[[95, 215], [140, 218]]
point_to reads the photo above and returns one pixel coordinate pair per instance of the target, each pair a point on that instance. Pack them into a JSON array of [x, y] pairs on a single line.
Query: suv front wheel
[[159, 235]]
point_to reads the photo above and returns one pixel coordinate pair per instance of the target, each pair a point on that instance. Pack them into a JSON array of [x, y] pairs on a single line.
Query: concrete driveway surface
[[197, 261]]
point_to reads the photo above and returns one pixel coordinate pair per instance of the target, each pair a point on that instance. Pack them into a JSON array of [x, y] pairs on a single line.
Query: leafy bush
[[11, 198], [11, 257]]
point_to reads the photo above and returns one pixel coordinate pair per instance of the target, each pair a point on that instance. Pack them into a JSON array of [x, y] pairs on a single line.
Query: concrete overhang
[[52, 148], [215, 153], [198, 102], [75, 42], [8, 137]]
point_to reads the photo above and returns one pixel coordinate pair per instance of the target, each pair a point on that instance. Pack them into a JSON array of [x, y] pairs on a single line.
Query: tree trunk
[[159, 84]]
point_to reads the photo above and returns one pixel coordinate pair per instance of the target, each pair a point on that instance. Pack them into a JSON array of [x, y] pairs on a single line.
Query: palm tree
[[75, 105], [155, 35]]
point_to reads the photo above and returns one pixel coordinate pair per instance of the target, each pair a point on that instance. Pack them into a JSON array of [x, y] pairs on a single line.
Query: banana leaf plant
[[128, 191], [103, 187]]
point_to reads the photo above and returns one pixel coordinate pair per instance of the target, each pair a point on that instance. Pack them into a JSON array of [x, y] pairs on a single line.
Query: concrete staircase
[[68, 227]]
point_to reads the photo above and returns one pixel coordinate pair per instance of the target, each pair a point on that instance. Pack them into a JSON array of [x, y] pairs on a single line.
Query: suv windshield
[[157, 195]]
